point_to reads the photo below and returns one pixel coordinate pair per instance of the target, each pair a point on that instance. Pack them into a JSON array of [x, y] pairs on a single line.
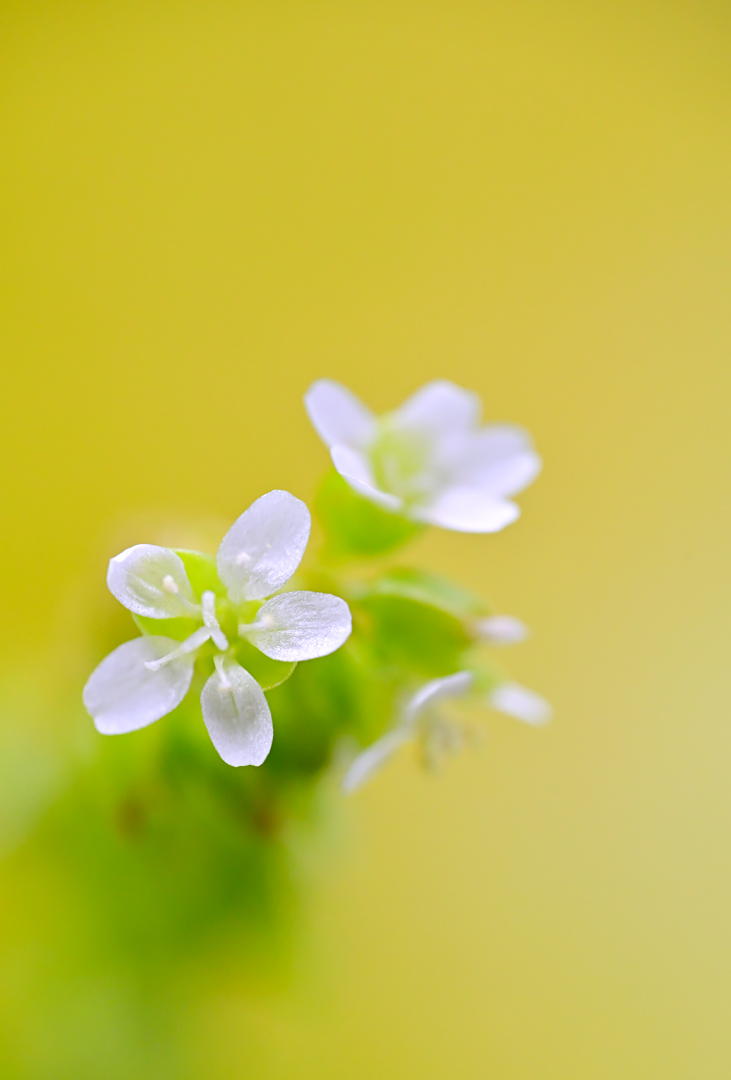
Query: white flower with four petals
[[421, 720], [430, 460], [145, 679]]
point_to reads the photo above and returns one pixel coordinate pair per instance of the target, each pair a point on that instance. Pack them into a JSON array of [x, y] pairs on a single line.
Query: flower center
[[400, 461], [208, 607], [210, 630], [262, 622]]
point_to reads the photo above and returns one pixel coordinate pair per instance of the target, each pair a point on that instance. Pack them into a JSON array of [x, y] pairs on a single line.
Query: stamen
[[169, 585], [242, 557], [265, 622], [223, 682], [208, 607], [196, 639]]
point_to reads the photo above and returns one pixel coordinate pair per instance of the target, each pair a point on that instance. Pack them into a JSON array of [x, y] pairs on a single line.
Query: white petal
[[123, 695], [500, 458], [304, 625], [338, 416], [436, 690], [469, 510], [237, 715], [496, 442], [501, 630], [376, 755], [355, 467], [507, 477], [439, 407], [523, 704], [262, 550], [151, 581]]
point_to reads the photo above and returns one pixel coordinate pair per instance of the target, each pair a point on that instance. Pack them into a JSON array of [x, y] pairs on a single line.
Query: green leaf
[[326, 698], [355, 527], [201, 571], [430, 589], [178, 629], [267, 672], [414, 635]]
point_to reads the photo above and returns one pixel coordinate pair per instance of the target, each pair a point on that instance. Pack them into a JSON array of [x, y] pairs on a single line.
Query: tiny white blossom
[[501, 630], [516, 700], [145, 679], [430, 460], [419, 719]]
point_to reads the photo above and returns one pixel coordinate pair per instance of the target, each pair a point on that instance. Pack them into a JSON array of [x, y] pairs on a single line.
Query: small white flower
[[501, 630], [523, 704], [145, 679], [418, 720], [430, 460]]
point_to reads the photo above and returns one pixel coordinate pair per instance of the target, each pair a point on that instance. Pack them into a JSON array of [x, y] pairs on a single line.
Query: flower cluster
[[417, 638]]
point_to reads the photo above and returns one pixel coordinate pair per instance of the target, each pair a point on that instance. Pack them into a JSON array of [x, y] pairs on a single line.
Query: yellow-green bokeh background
[[206, 205]]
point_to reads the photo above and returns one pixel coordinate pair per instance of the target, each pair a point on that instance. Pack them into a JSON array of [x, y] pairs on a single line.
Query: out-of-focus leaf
[[430, 589], [323, 700], [414, 635], [355, 527], [31, 775]]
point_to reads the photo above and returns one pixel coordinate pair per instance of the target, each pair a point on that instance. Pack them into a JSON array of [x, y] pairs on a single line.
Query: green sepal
[[177, 629], [201, 571], [430, 589], [418, 636], [486, 677], [267, 672], [354, 527]]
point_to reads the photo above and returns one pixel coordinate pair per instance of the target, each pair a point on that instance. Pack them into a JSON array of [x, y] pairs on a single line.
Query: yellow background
[[207, 205]]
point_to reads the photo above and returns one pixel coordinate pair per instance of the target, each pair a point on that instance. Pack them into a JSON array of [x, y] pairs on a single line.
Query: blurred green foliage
[[354, 527], [166, 850], [169, 839]]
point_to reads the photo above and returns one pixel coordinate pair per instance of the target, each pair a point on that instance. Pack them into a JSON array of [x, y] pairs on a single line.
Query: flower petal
[[355, 467], [439, 407], [338, 416], [373, 757], [523, 704], [436, 690], [507, 477], [123, 695], [151, 581], [501, 630], [262, 550], [305, 625], [469, 510], [237, 715], [500, 458]]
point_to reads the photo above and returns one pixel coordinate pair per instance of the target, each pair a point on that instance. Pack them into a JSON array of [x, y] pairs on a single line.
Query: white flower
[[419, 720], [523, 704], [429, 460], [501, 630], [146, 678]]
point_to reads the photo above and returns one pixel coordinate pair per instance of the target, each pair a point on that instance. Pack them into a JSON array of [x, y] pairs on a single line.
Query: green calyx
[[355, 528]]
